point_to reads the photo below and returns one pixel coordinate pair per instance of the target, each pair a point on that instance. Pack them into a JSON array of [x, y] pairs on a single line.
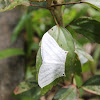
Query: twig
[[54, 18], [67, 3], [37, 0], [38, 6], [56, 5]]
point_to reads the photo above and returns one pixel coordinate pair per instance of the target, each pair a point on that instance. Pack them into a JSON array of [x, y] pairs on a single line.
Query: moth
[[53, 61]]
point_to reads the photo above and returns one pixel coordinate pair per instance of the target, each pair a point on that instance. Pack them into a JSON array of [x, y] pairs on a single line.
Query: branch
[[54, 18], [38, 6], [56, 11], [53, 5], [37, 0], [67, 3]]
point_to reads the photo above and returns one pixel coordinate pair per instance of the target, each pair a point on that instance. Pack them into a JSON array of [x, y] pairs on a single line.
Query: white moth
[[53, 61], [94, 2]]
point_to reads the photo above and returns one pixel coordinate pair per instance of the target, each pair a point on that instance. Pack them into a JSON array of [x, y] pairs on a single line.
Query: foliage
[[87, 27], [67, 93], [11, 52], [92, 85], [9, 4], [82, 26]]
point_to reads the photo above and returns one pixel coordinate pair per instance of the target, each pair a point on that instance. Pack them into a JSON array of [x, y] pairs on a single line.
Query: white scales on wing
[[53, 61], [94, 2]]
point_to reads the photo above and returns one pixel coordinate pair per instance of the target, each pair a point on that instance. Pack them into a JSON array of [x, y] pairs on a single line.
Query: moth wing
[[49, 72], [51, 51], [53, 61]]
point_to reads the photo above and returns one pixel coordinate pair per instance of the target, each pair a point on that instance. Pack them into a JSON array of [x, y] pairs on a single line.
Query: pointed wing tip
[[66, 52], [39, 83]]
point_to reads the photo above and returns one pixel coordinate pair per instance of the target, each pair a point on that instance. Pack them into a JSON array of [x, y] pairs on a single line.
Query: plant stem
[[37, 0], [56, 5], [56, 11], [67, 3], [38, 6], [54, 19]]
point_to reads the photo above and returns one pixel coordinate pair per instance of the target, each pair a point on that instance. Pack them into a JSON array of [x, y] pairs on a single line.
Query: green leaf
[[86, 67], [79, 42], [88, 27], [92, 85], [78, 80], [93, 3], [8, 5], [25, 86], [11, 52], [72, 65], [31, 94], [67, 93], [85, 54]]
